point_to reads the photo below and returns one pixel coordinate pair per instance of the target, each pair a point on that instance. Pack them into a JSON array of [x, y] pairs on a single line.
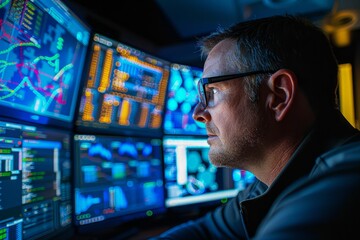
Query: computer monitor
[[124, 90], [182, 97], [35, 181], [192, 181], [42, 51], [117, 179]]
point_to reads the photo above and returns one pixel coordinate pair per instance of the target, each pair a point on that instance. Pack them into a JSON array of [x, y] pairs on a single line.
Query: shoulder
[[340, 157], [324, 204], [337, 169]]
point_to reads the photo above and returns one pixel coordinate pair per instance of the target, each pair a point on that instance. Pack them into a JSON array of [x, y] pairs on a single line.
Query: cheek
[[227, 120], [231, 113], [235, 118]]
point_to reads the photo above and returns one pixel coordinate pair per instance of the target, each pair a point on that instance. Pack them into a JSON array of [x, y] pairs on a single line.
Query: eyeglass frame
[[204, 81]]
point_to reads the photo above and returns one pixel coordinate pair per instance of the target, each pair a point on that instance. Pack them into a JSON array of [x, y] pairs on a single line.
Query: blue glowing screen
[[181, 101], [117, 178], [42, 51], [191, 178], [35, 181]]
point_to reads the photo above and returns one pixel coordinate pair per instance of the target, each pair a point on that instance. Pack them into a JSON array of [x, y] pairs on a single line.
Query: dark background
[[170, 28]]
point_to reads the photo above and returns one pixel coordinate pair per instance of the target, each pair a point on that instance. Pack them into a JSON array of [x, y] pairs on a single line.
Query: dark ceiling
[[170, 28]]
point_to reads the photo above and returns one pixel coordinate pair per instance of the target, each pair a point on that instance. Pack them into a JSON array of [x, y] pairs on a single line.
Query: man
[[268, 99]]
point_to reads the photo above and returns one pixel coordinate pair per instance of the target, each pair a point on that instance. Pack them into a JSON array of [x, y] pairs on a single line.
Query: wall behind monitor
[[166, 45]]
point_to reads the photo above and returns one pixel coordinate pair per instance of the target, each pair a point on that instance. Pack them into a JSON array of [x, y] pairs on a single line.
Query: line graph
[[41, 60]]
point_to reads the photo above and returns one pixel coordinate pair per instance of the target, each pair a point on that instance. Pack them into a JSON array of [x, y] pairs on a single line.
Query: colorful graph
[[40, 60]]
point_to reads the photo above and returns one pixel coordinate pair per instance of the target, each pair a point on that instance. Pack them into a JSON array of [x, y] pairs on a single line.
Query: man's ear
[[282, 87]]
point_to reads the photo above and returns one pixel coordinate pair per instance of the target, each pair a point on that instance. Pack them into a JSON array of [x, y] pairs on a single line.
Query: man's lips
[[211, 137], [210, 131]]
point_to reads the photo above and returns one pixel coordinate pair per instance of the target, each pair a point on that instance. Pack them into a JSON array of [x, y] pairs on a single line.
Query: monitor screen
[[124, 90], [182, 98], [117, 179], [42, 52], [35, 184], [192, 180]]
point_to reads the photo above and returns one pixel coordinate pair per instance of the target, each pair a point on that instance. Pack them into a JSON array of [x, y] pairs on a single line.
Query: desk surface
[[135, 231], [143, 229]]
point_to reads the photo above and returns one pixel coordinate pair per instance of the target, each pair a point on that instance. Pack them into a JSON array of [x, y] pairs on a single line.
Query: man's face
[[234, 124]]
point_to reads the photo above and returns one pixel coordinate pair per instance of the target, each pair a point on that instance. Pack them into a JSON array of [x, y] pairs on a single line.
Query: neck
[[281, 142], [275, 161]]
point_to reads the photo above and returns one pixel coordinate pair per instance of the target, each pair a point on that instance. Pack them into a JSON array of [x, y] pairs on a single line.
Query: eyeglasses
[[204, 95]]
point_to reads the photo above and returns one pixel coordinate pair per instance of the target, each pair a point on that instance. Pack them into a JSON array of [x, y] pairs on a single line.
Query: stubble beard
[[241, 150]]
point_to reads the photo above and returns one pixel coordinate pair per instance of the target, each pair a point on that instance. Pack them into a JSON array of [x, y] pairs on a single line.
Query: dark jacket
[[316, 196]]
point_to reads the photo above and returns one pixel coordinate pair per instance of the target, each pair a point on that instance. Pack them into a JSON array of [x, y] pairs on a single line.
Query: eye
[[210, 92], [214, 90]]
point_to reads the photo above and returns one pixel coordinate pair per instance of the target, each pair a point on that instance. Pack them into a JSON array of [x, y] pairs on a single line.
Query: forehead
[[219, 60]]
